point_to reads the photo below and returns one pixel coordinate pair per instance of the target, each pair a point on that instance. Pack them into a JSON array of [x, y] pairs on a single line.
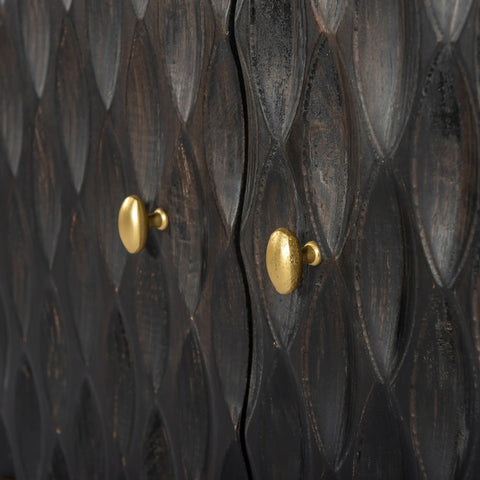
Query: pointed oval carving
[[48, 207], [326, 368], [183, 41], [82, 290], [157, 457], [440, 396], [224, 132], [380, 277], [143, 115], [276, 187], [193, 407], [278, 59], [140, 6], [380, 451], [230, 338], [89, 445], [328, 13], [187, 224], [35, 20], [67, 4], [72, 103], [110, 192], [105, 35], [276, 427], [20, 253], [11, 103], [326, 165], [386, 63], [28, 421], [120, 381], [54, 358], [444, 167], [448, 17], [152, 315], [58, 469]]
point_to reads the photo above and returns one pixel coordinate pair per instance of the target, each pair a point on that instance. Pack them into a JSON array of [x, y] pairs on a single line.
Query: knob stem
[[311, 254], [158, 219]]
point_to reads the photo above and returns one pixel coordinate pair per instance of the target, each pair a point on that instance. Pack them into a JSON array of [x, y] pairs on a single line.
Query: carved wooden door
[[115, 365], [362, 135], [351, 122]]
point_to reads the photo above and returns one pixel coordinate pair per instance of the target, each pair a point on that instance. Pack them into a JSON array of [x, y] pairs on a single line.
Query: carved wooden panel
[[352, 122], [112, 365], [363, 135]]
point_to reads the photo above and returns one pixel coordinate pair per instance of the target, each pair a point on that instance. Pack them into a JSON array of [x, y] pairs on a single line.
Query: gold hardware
[[285, 259], [134, 222]]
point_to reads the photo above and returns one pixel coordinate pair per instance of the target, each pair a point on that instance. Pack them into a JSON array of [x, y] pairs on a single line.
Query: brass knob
[[285, 259], [134, 222]]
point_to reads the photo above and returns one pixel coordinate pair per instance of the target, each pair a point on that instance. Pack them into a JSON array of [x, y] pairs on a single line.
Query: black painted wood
[[352, 122]]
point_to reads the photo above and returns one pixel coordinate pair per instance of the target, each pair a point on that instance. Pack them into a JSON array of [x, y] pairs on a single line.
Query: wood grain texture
[[355, 124], [383, 117]]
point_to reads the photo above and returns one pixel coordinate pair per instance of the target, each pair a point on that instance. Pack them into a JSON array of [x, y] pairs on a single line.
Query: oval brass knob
[[134, 222], [285, 259]]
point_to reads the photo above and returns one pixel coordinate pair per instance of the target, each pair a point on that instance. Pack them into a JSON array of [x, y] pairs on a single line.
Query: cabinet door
[[362, 121], [115, 365]]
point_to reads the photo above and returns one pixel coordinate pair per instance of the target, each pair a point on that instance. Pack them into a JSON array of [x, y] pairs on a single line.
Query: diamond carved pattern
[[354, 123]]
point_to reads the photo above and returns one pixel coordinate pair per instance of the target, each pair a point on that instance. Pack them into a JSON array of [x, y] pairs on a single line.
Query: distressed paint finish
[[352, 122], [114, 365]]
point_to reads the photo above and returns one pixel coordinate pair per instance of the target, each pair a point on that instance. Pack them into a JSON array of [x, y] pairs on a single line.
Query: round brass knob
[[285, 259], [134, 222]]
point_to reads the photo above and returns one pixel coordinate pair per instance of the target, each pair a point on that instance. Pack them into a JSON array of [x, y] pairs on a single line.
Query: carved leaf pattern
[[379, 279], [110, 192], [439, 395], [187, 223], [278, 59], [277, 188], [105, 35], [82, 290], [157, 458], [224, 131], [152, 315], [58, 467], [444, 167], [326, 368], [448, 17], [230, 339], [120, 382], [20, 248], [28, 421], [54, 357], [11, 104], [328, 13], [73, 109], [35, 19], [380, 451], [143, 115], [326, 163], [46, 190], [184, 47], [140, 6], [193, 407], [385, 55], [280, 438], [88, 436]]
